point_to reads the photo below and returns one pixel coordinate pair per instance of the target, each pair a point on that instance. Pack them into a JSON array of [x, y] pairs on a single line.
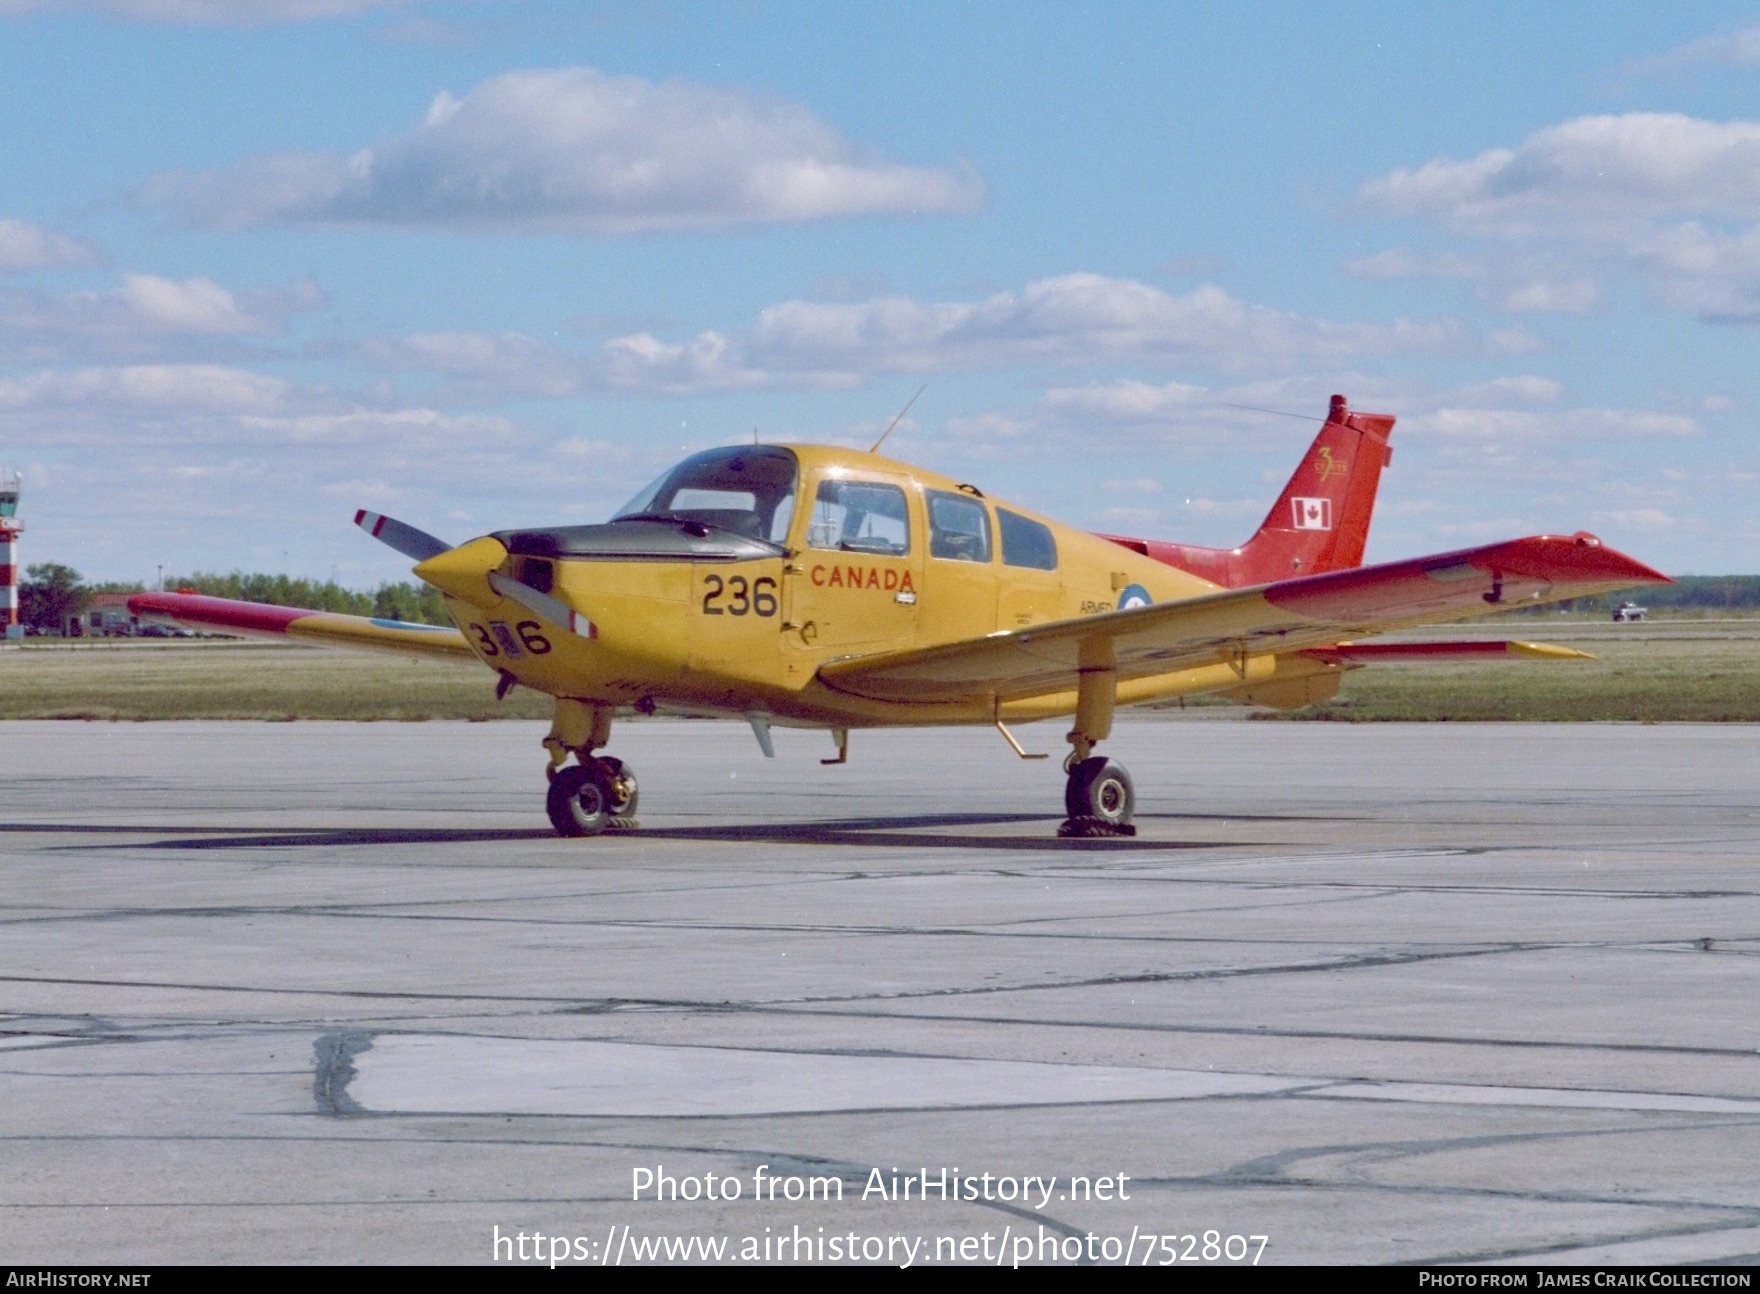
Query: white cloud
[[1593, 168], [1076, 319], [1739, 48], [1522, 284], [216, 403], [1521, 420], [1540, 296], [186, 388], [1522, 425], [1637, 518], [1406, 263], [508, 363], [30, 247], [1128, 415], [1125, 401], [146, 317], [1668, 199], [575, 151], [1526, 388], [413, 428], [190, 306], [1071, 321], [228, 13]]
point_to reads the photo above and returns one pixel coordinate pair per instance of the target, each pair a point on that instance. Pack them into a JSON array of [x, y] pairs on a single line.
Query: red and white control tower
[[10, 529]]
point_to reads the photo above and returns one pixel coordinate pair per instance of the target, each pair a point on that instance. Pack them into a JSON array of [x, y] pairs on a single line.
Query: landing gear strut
[[596, 794], [1098, 796]]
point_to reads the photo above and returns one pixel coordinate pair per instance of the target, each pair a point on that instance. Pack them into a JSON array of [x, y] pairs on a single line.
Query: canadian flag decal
[[1312, 514]]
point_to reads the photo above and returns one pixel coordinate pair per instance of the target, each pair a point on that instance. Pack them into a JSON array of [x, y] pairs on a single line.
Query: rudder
[[1320, 521]]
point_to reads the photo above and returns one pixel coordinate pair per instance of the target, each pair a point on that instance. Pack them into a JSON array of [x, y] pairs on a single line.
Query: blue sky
[[481, 265]]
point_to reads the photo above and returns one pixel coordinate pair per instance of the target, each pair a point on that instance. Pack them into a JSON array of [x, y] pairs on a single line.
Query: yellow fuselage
[[746, 636]]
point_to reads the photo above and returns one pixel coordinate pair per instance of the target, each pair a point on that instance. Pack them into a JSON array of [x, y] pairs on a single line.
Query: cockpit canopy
[[748, 490]]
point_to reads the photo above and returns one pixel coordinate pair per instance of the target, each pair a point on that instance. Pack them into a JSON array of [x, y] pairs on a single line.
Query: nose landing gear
[[598, 793], [591, 797]]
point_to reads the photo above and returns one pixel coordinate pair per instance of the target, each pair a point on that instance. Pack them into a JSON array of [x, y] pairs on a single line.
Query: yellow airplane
[[818, 587]]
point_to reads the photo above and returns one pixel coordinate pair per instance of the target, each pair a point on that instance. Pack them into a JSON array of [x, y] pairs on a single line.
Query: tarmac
[[333, 993]]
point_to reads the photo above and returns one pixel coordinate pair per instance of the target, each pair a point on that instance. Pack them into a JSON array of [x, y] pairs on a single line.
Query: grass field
[[217, 680], [1694, 669]]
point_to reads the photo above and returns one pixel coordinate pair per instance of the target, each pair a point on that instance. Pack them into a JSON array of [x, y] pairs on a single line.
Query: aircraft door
[[851, 586], [1031, 590], [959, 581]]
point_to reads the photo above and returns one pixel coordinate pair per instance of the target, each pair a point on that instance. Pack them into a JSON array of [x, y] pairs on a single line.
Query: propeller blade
[[556, 611], [406, 539]]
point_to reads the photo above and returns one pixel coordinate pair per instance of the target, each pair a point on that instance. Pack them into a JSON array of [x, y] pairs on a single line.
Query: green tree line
[[417, 603], [50, 592]]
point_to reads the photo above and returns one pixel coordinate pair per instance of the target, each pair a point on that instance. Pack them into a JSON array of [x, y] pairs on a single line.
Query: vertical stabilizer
[[1319, 523]]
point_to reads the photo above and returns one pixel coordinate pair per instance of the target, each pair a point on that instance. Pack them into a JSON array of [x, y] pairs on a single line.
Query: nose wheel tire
[[586, 799], [1099, 799]]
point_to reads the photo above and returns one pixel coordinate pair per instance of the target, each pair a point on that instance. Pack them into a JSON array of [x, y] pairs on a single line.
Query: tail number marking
[[743, 599]]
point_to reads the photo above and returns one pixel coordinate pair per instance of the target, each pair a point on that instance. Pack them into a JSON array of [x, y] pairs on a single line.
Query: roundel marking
[[1134, 596]]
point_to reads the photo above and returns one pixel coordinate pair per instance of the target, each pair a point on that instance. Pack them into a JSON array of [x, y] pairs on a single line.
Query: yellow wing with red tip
[[326, 628], [1311, 615]]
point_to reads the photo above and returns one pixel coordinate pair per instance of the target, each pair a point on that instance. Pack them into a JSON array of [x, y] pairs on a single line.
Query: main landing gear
[[1098, 796], [598, 793]]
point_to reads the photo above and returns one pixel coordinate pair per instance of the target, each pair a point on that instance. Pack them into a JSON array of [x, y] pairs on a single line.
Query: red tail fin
[[1319, 523]]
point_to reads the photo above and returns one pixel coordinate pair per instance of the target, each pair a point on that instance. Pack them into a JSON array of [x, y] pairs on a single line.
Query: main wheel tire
[[578, 803], [619, 782], [1100, 788]]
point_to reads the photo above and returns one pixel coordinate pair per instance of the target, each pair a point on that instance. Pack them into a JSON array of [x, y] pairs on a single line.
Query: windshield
[[748, 490]]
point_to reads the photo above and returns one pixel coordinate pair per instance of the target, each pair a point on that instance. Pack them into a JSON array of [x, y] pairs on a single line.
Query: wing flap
[[260, 620], [1289, 616]]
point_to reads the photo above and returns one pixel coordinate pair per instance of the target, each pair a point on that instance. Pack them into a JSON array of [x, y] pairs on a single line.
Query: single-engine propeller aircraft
[[827, 588]]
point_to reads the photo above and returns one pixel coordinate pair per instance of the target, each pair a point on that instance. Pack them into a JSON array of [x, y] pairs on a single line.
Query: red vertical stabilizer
[[1319, 523]]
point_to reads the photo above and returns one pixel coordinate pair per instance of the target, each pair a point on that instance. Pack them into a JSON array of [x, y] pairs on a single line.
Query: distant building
[[106, 616]]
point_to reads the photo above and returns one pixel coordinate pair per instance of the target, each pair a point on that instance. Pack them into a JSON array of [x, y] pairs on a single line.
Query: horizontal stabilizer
[[418, 545], [328, 628], [1470, 649]]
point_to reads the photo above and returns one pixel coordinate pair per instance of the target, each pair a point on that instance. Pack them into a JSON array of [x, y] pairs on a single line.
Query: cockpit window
[[749, 491], [860, 517]]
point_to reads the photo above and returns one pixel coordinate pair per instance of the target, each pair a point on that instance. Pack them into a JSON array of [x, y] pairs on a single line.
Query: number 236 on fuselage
[[819, 587]]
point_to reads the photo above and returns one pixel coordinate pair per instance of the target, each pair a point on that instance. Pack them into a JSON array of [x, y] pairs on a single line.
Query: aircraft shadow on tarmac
[[917, 831]]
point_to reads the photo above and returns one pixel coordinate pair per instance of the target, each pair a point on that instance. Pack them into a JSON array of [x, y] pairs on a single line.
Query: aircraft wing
[[1316, 611], [325, 628]]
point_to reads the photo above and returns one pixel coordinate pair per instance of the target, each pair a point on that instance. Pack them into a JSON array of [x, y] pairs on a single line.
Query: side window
[[860, 517], [959, 528], [1026, 543]]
